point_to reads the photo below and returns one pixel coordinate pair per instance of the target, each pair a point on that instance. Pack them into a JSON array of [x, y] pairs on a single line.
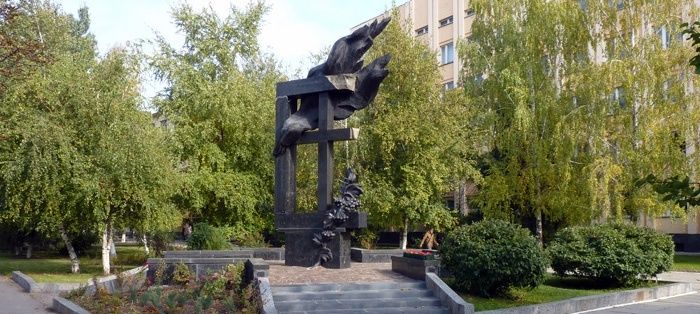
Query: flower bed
[[420, 254], [224, 292]]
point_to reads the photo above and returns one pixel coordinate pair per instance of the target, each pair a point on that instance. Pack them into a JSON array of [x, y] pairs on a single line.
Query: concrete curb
[[455, 303], [602, 301], [266, 296], [26, 282], [63, 306]]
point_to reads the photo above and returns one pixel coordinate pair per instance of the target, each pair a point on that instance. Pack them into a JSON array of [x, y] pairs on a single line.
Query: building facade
[[440, 24]]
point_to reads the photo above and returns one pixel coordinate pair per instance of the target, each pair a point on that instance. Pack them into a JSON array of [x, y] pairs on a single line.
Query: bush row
[[492, 256]]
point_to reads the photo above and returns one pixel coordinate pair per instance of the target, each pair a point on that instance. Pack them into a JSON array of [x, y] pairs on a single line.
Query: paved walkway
[[358, 272], [13, 300], [679, 276], [677, 305], [687, 304]]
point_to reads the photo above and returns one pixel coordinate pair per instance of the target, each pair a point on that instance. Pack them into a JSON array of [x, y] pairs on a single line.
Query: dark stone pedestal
[[413, 267], [301, 251]]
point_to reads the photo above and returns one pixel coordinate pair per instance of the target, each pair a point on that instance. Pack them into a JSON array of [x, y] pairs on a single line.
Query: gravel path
[[359, 272], [13, 300]]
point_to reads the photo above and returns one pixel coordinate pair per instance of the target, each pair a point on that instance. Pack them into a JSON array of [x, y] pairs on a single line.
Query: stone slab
[[243, 253], [589, 303], [24, 281], [374, 256], [455, 304], [64, 306], [268, 304], [301, 251], [269, 254], [413, 267]]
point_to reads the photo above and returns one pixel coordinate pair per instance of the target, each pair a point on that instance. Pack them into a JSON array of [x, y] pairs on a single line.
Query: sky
[[291, 30]]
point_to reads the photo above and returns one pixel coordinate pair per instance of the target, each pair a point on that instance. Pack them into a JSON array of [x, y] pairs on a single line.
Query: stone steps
[[389, 297], [387, 310]]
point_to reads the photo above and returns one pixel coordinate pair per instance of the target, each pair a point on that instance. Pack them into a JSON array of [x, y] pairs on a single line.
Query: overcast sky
[[292, 29]]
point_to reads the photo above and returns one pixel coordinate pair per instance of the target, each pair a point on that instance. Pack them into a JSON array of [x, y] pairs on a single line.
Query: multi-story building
[[442, 23]]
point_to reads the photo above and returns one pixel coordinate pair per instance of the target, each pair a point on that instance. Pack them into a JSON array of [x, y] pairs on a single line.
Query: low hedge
[[616, 254], [491, 256], [207, 237]]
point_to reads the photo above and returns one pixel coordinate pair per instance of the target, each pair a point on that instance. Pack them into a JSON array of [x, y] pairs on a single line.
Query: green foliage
[[559, 143], [693, 32], [617, 254], [366, 239], [77, 152], [159, 276], [181, 274], [676, 189], [219, 92], [207, 237], [489, 257], [405, 164]]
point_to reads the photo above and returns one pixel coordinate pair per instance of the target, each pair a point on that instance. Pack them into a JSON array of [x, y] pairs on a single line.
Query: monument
[[305, 111]]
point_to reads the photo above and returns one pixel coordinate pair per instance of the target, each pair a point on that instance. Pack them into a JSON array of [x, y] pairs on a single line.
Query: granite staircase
[[384, 297]]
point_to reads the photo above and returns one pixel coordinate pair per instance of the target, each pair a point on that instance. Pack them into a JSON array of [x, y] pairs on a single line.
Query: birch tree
[[581, 99], [412, 148], [220, 96]]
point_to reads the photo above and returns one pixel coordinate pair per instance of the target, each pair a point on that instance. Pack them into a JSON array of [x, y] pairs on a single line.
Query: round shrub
[[207, 237], [491, 256], [614, 254]]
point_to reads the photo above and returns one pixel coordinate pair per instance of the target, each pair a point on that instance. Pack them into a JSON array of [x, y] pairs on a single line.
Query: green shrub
[[366, 239], [491, 256], [616, 254], [207, 237], [181, 274]]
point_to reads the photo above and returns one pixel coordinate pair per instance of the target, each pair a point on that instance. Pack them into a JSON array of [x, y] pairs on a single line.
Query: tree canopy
[[412, 147], [580, 99], [220, 96]]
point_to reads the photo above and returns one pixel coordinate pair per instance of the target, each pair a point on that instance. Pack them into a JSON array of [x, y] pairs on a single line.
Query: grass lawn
[[686, 263], [553, 289], [50, 267]]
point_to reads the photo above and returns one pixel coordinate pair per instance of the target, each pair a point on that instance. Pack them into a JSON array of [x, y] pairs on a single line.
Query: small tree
[[412, 148], [218, 95]]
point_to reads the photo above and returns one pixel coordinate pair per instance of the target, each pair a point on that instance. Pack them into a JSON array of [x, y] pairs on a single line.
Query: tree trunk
[[123, 237], [404, 234], [18, 250], [74, 262], [145, 244], [106, 244], [538, 227], [29, 250]]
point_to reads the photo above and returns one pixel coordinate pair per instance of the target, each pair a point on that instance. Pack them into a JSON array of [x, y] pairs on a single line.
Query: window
[[479, 79], [449, 85], [618, 96], [446, 21], [447, 53], [618, 4], [422, 30], [583, 4], [469, 12], [610, 45], [664, 36]]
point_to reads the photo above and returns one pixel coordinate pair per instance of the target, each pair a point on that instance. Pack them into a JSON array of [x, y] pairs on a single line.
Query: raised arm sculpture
[[346, 57]]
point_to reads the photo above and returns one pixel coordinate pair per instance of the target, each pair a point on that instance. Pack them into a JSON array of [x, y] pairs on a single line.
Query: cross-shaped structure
[[299, 228]]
